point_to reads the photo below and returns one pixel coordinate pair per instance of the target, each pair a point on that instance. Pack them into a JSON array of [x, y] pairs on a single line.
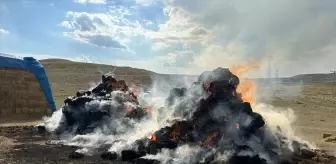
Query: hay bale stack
[[21, 96]]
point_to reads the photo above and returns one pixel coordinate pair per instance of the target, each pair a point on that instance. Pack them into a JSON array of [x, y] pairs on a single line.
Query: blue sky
[[173, 36], [35, 28]]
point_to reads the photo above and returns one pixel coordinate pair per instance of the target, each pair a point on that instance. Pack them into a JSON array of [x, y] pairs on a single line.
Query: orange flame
[[237, 125], [154, 138], [176, 131], [148, 109], [135, 89], [129, 109], [246, 88], [207, 142]]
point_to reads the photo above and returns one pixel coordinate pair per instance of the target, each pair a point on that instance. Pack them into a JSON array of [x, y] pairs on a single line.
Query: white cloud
[[152, 65], [3, 32], [83, 58], [90, 1], [145, 2], [111, 30], [36, 56], [179, 28], [100, 40], [177, 59], [222, 33], [215, 56], [160, 46], [9, 56]]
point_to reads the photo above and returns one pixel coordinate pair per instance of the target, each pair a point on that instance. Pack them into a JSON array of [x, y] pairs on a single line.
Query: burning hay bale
[[216, 118], [76, 155], [210, 118], [92, 109]]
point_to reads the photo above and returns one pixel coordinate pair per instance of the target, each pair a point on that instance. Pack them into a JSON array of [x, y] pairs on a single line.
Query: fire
[[207, 142], [208, 86], [135, 89], [129, 108], [153, 138], [237, 125], [148, 109], [246, 88], [176, 131]]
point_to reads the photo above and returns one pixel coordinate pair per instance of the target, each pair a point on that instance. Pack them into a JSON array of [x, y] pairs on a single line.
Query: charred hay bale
[[146, 161], [130, 155], [100, 89], [175, 94], [109, 156], [108, 78], [84, 119], [76, 155], [82, 93], [137, 112], [40, 129], [122, 85], [257, 122], [84, 113], [246, 108], [307, 153], [218, 115], [236, 159], [109, 84], [78, 102], [221, 78]]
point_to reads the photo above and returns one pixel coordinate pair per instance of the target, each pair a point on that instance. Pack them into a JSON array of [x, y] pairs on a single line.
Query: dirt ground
[[21, 145], [315, 109]]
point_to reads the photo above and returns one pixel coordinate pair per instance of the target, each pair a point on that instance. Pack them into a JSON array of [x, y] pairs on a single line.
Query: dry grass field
[[21, 97], [313, 104], [68, 77], [314, 107]]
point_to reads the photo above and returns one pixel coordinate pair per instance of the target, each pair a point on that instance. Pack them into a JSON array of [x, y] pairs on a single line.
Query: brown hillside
[[66, 77], [21, 96]]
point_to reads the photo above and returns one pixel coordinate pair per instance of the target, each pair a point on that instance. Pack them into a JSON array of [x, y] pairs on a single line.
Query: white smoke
[[127, 131], [277, 117], [278, 120], [181, 155], [52, 123], [277, 90]]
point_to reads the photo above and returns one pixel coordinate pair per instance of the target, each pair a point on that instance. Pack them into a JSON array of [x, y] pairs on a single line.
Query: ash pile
[[209, 116]]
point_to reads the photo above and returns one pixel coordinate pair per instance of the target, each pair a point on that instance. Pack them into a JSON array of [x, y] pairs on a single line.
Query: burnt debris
[[91, 109], [210, 114], [216, 117]]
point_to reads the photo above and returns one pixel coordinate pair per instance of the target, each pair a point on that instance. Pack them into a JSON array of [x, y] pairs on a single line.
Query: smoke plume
[[93, 120]]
